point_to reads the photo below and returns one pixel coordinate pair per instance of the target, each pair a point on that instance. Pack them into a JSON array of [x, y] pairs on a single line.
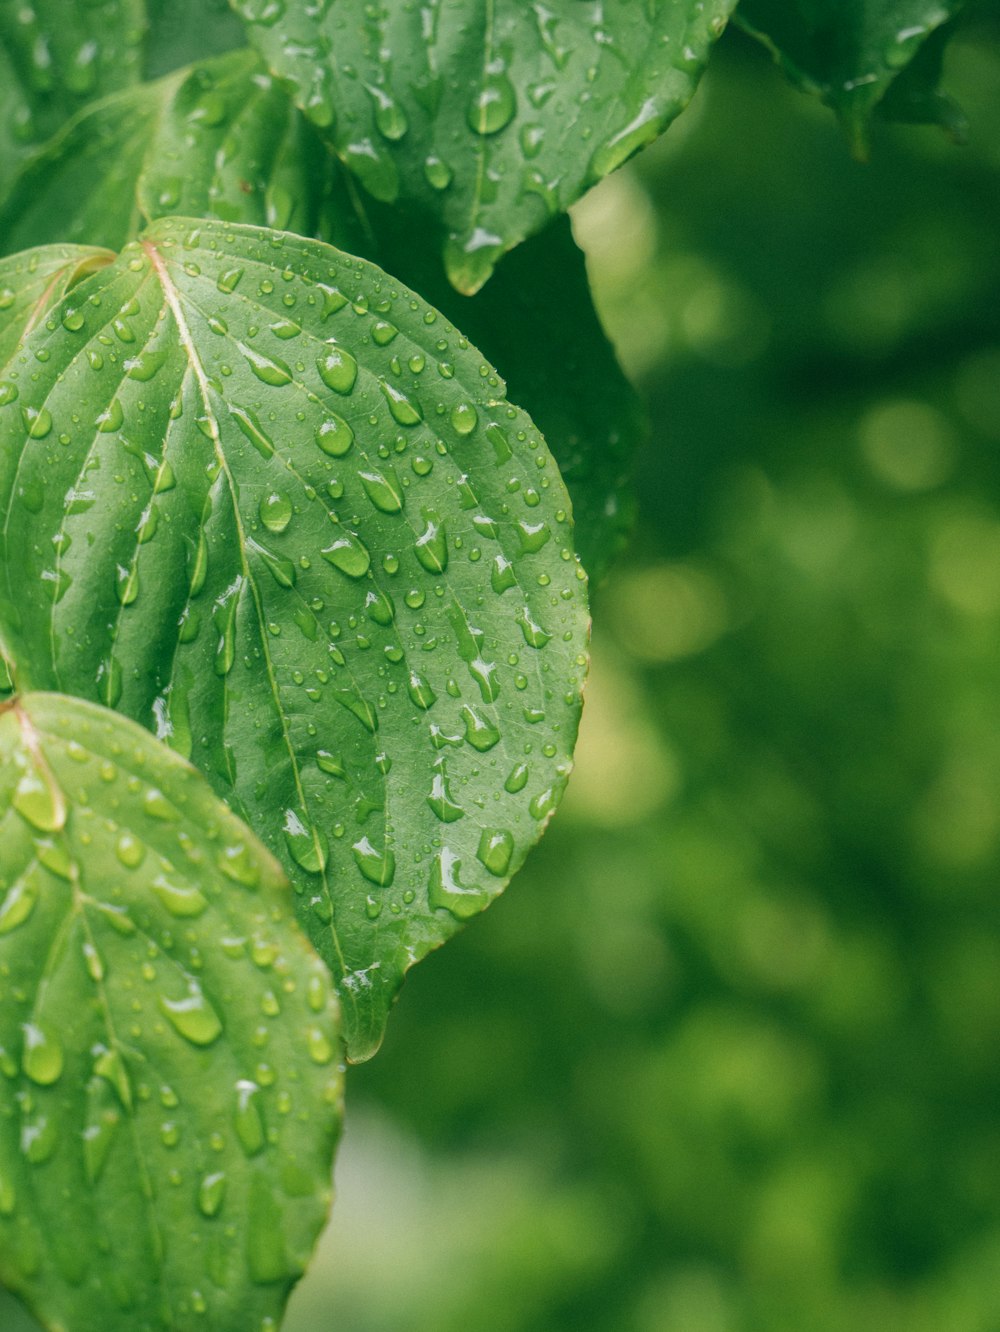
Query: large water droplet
[[495, 850], [211, 1193], [253, 430], [390, 118], [377, 866], [269, 370], [43, 1054], [40, 802], [334, 436], [348, 554], [18, 904], [494, 104], [440, 798], [275, 511], [446, 890], [306, 844], [404, 410], [338, 369], [180, 899], [194, 1018], [383, 489], [248, 1118], [431, 545]]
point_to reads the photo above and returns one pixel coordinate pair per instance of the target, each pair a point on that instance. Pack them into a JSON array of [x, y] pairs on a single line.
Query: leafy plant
[[268, 503]]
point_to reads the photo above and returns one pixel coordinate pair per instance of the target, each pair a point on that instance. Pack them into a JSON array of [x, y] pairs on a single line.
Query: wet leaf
[[276, 508], [876, 55], [494, 116], [219, 139], [54, 58], [183, 31], [32, 283], [168, 1040], [536, 319]]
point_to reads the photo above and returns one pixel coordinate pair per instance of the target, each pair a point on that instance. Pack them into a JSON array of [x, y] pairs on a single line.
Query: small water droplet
[[437, 172], [180, 899], [306, 844], [494, 104], [464, 418], [431, 545], [517, 778], [495, 850], [211, 1193]]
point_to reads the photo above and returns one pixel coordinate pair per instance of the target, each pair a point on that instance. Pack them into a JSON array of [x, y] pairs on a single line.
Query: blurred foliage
[[725, 1059]]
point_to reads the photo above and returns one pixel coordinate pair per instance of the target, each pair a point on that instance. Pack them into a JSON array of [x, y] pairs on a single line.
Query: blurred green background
[[725, 1057]]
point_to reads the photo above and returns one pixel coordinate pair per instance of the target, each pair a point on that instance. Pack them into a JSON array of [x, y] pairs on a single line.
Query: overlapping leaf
[[263, 499], [168, 1040], [536, 319], [490, 116], [55, 57], [216, 140], [32, 282], [859, 57]]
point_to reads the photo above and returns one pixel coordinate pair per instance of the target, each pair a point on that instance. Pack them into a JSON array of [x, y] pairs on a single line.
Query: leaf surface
[[32, 282], [273, 506], [491, 116], [217, 140], [536, 319], [168, 1040], [54, 58], [861, 57], [184, 31]]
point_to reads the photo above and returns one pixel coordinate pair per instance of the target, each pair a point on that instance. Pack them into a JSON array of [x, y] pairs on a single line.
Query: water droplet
[[543, 804], [130, 851], [248, 1119], [111, 419], [238, 864], [126, 584], [420, 690], [211, 1193], [438, 173], [348, 554], [194, 1018], [275, 511], [334, 436], [383, 333], [43, 1055], [306, 844], [253, 430], [446, 890], [464, 418], [330, 763], [281, 570], [495, 850], [102, 1120], [494, 104], [532, 536], [383, 489], [229, 280], [37, 421], [432, 545], [440, 798], [269, 370], [338, 369], [39, 802], [642, 129], [479, 732], [156, 804], [404, 410], [180, 899], [390, 118], [378, 867], [517, 779], [73, 320], [534, 635], [18, 904], [320, 1047]]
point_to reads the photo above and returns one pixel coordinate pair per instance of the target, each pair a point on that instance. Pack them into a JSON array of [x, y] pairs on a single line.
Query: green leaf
[[183, 31], [219, 139], [31, 283], [54, 58], [493, 116], [853, 55], [168, 1040], [272, 505], [536, 318]]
